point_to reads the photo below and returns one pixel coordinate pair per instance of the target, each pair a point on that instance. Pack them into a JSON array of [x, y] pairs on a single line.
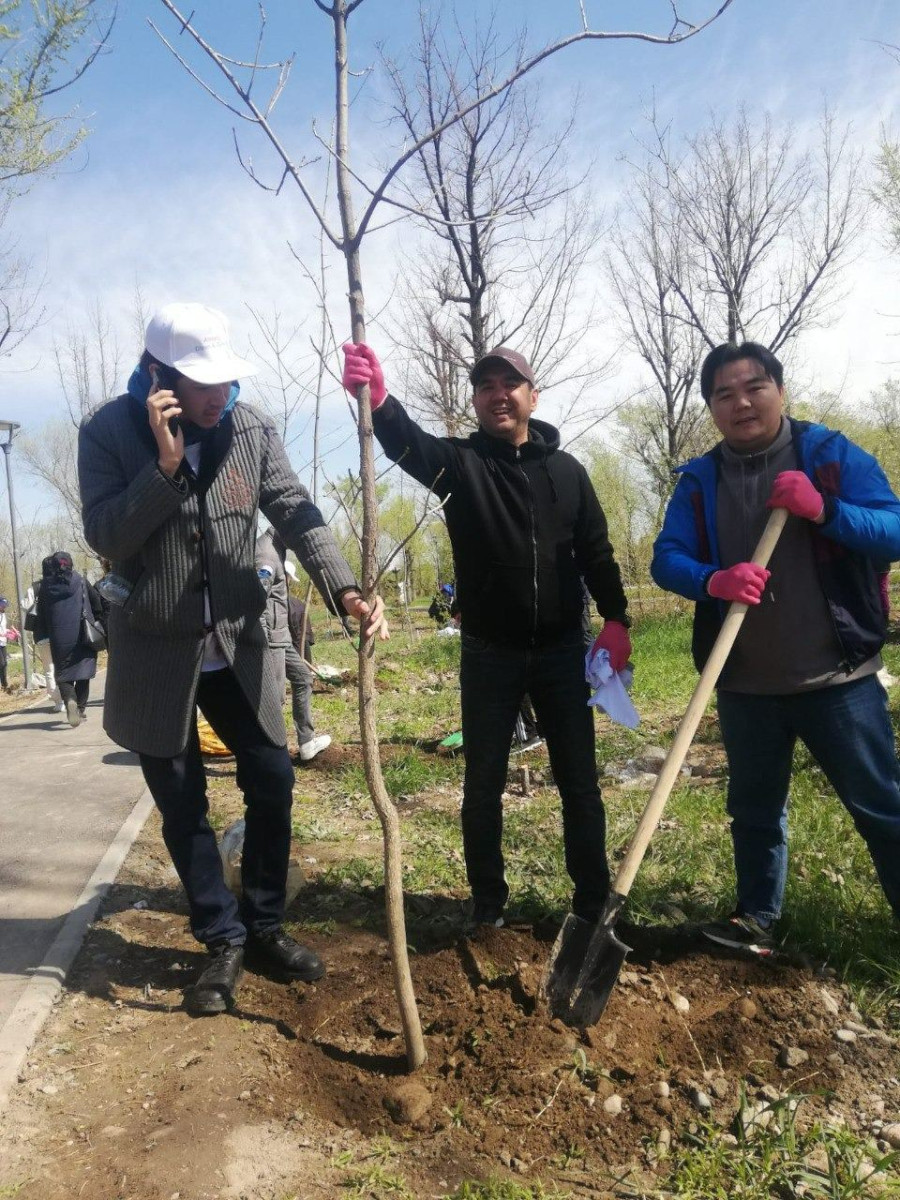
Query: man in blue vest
[[805, 663]]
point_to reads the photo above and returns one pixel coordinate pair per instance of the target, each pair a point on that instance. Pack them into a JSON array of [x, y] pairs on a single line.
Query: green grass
[[834, 911], [664, 671], [779, 1159], [405, 774], [834, 908], [376, 1183], [505, 1189]]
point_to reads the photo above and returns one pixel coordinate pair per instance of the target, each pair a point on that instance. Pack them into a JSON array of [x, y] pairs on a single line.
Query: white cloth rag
[[609, 688]]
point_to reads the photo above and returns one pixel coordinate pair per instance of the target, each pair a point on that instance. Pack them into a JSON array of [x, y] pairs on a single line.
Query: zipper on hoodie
[[534, 554]]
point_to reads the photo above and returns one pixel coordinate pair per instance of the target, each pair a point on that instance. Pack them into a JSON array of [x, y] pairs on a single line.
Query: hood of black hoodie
[[543, 438]]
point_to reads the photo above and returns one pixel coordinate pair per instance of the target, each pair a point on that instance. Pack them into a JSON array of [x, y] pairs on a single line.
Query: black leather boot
[[215, 988], [279, 954]]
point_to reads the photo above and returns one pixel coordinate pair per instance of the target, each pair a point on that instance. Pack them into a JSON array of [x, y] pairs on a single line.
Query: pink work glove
[[361, 366], [744, 583], [614, 639], [794, 491]]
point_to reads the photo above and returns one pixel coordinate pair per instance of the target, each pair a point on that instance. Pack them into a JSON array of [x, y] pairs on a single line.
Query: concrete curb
[[33, 1007]]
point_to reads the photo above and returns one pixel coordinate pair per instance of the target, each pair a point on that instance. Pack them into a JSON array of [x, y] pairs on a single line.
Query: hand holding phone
[[163, 410]]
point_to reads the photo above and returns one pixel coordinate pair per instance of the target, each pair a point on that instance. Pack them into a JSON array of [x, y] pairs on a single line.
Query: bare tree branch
[[349, 241], [729, 235]]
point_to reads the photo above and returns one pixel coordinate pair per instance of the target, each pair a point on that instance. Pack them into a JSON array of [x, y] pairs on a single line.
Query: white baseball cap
[[194, 339]]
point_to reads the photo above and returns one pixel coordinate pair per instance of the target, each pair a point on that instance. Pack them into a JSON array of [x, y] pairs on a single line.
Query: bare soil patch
[[296, 1093]]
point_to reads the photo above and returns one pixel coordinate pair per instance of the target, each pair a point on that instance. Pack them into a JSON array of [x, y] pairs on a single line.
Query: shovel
[[587, 957]]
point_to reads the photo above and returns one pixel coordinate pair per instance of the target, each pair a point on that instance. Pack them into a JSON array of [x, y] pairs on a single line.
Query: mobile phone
[[163, 377], [164, 380]]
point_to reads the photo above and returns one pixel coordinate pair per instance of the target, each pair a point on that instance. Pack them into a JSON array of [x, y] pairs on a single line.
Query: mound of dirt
[[128, 1097]]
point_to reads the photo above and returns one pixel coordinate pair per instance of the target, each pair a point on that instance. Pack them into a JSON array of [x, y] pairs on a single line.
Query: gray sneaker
[[72, 712], [741, 932]]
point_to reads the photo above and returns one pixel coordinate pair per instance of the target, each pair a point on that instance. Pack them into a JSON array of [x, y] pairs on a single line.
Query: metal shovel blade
[[579, 997], [598, 976], [584, 965], [565, 963]]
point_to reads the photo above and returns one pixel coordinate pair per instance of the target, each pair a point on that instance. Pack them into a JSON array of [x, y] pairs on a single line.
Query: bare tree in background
[[88, 366], [45, 47], [21, 310], [514, 235], [643, 263], [298, 374], [243, 77], [768, 227], [734, 234], [290, 370], [38, 538], [886, 189]]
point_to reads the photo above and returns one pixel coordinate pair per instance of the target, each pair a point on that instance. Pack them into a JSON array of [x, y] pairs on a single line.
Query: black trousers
[[493, 681], [80, 690], [266, 777]]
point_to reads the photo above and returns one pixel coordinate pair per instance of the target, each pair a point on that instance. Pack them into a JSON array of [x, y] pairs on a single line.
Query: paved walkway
[[69, 810]]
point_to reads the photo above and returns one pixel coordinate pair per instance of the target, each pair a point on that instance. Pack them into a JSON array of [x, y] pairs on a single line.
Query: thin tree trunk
[[390, 824]]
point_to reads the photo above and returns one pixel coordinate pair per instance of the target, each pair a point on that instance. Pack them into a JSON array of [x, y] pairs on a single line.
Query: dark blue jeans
[[266, 777], [493, 680], [848, 731]]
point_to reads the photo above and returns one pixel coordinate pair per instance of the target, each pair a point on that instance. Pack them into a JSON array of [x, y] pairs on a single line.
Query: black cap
[[512, 358]]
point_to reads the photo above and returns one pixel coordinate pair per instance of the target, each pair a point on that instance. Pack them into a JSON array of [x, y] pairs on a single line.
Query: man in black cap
[[526, 527]]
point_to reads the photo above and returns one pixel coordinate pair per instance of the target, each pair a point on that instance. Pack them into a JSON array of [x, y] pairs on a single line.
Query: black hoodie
[[525, 525]]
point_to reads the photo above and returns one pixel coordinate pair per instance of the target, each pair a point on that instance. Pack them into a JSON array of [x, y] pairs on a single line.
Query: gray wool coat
[[158, 534]]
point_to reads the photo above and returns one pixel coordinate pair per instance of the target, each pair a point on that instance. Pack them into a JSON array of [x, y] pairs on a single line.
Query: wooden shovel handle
[[691, 719]]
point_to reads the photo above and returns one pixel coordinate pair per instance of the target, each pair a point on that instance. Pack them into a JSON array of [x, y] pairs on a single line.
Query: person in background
[[271, 554], [63, 600], [42, 647], [6, 635], [525, 526], [173, 474], [299, 672], [806, 661], [441, 607]]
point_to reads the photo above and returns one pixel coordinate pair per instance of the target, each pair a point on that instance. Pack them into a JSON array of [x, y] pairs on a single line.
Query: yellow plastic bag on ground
[[210, 742]]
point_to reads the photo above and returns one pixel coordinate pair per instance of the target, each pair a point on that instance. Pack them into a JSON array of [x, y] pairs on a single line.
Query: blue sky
[[156, 197]]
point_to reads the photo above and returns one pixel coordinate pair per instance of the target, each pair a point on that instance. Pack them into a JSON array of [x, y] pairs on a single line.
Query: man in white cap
[[172, 476]]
